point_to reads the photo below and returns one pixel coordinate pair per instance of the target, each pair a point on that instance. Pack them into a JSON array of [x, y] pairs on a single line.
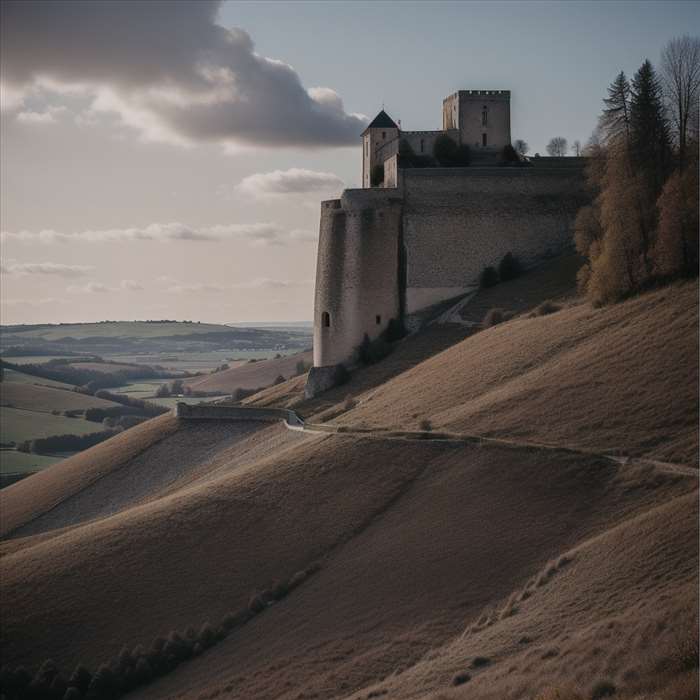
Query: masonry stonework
[[426, 234]]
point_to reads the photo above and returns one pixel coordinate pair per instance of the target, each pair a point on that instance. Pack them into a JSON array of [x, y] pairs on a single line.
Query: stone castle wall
[[357, 283], [387, 251], [456, 221]]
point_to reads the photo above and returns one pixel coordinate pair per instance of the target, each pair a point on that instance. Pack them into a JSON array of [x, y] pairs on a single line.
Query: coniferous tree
[[616, 115], [649, 133], [649, 151]]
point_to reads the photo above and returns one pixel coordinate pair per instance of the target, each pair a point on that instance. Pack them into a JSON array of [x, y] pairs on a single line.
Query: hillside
[[557, 567], [32, 397], [251, 375], [620, 378]]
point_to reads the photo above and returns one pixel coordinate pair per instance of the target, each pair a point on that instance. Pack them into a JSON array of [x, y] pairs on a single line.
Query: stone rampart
[[222, 412], [456, 221]]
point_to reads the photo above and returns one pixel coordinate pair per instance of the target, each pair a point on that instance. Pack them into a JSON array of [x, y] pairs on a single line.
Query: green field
[[13, 462], [11, 375], [34, 359], [120, 329], [45, 399], [140, 389], [17, 425], [197, 361], [172, 400]]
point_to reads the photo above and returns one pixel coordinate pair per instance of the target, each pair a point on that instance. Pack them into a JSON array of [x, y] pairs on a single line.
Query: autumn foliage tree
[[642, 224]]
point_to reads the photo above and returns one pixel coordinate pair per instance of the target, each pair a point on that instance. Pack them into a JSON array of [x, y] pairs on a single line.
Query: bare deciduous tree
[[680, 69], [557, 146], [576, 148], [521, 147]]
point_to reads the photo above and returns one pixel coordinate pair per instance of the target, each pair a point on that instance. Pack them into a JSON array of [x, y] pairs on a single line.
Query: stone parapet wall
[[222, 412]]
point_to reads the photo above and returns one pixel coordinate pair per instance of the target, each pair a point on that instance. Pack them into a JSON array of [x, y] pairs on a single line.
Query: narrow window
[[422, 145], [378, 319], [484, 116], [383, 134], [483, 139], [326, 319]]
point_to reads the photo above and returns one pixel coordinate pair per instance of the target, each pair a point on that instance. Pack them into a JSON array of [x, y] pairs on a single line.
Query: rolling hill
[[251, 375], [436, 568]]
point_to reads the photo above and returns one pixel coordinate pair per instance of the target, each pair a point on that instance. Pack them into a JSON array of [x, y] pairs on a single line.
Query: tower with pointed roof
[[380, 140]]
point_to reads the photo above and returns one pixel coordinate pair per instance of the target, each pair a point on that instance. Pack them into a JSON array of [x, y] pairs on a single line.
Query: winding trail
[[293, 421]]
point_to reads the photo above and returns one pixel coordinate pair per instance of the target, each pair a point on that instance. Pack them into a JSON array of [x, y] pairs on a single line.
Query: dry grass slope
[[618, 378]]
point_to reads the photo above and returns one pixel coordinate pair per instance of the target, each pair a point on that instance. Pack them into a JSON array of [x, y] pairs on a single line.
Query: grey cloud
[[292, 181], [261, 233], [170, 71], [45, 268]]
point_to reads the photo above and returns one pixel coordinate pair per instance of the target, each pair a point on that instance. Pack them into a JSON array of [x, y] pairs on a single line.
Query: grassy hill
[[44, 399], [251, 375], [442, 569]]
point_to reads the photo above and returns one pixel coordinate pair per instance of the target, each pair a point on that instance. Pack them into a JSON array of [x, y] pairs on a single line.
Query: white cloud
[[91, 288], [46, 117], [184, 78], [257, 283], [45, 268], [292, 181], [32, 302], [262, 233], [131, 285]]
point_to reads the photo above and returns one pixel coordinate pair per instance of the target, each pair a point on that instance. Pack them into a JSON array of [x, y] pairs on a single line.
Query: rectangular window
[[378, 319], [483, 139], [422, 144], [383, 134]]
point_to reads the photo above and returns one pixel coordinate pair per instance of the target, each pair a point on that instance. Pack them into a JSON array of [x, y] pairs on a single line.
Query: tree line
[[642, 225]]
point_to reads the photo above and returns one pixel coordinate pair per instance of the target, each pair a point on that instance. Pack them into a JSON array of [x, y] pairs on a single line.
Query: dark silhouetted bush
[[508, 155], [143, 672], [425, 425], [480, 662], [395, 330], [103, 684], [69, 443], [461, 678], [207, 636], [494, 317], [546, 308], [488, 278], [371, 351], [445, 150], [509, 268], [604, 689]]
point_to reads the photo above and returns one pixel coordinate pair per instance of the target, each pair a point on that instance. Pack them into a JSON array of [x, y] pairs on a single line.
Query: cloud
[[292, 181], [258, 283], [131, 285], [45, 268], [32, 302], [91, 288], [39, 118], [261, 233], [168, 70]]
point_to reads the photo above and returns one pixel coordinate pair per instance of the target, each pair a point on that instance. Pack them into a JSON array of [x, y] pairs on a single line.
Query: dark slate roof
[[382, 121]]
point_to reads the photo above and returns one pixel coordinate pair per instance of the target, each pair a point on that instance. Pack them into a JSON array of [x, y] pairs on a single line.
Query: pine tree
[[649, 133], [616, 115]]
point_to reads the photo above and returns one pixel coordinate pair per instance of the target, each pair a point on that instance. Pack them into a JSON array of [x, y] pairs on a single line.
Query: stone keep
[[423, 236]]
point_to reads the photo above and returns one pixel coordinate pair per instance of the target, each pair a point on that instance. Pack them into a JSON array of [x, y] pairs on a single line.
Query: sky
[[166, 159]]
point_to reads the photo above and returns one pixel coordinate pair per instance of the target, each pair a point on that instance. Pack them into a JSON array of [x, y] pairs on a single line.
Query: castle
[[422, 235]]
